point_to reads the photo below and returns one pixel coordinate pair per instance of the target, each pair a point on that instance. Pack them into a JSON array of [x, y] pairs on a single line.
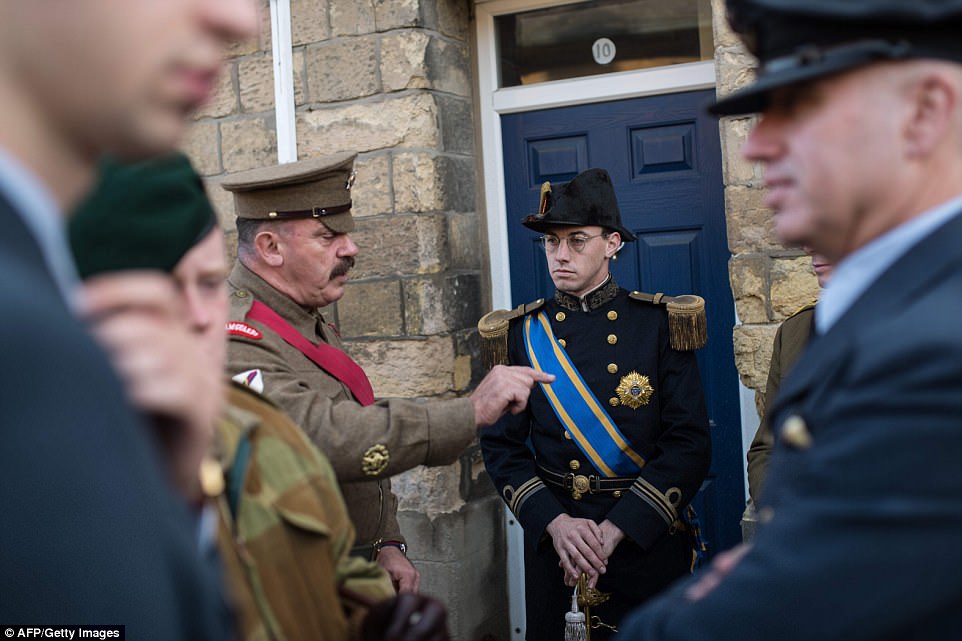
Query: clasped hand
[[583, 546]]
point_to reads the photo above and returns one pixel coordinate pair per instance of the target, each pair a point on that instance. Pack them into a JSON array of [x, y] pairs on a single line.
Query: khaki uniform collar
[[308, 322]]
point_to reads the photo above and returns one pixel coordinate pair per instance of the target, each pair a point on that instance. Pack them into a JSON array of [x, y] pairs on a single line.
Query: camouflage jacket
[[285, 537]]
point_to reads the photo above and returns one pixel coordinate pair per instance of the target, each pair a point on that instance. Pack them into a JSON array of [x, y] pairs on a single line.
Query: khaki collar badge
[[634, 390]]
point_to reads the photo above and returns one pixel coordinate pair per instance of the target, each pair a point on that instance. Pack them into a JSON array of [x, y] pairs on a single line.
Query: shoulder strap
[[327, 357], [237, 474], [493, 328], [687, 323]]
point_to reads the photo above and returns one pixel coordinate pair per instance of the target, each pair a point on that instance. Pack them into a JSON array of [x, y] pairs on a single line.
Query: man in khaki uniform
[[790, 339], [293, 256], [284, 534]]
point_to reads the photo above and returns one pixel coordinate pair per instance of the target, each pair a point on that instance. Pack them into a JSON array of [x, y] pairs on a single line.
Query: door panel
[[664, 158]]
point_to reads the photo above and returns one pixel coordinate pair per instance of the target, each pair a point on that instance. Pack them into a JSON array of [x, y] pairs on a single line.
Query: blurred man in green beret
[[283, 533]]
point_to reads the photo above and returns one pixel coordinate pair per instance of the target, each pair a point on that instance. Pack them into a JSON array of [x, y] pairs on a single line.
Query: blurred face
[[821, 266], [201, 280], [575, 272], [830, 149], [316, 261], [120, 75]]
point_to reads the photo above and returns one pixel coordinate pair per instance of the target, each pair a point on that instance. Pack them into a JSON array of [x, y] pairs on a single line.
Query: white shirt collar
[[853, 276], [38, 209]]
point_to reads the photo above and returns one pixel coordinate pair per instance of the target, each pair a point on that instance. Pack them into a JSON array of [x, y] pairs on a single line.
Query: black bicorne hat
[[801, 40], [588, 199]]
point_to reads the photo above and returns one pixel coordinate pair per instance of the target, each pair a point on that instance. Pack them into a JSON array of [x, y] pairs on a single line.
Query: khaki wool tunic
[[366, 445], [790, 339]]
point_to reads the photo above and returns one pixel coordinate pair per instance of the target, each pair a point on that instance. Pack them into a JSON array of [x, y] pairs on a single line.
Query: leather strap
[[327, 357]]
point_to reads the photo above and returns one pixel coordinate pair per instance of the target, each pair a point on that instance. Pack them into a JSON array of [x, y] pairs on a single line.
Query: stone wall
[[391, 80], [769, 282]]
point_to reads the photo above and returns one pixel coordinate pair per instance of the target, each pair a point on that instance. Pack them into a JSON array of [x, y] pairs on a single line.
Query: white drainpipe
[[283, 81]]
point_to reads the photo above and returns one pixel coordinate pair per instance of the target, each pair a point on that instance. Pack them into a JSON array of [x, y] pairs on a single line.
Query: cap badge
[[351, 179], [634, 390], [546, 200]]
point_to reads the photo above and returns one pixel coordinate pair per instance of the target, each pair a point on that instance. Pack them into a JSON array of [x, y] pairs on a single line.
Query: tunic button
[[612, 315], [574, 464], [560, 316], [567, 435], [614, 401], [616, 494], [562, 342], [612, 368], [612, 339], [240, 294]]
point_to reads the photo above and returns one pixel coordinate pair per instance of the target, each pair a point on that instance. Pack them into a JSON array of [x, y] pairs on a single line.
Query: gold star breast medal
[[634, 390]]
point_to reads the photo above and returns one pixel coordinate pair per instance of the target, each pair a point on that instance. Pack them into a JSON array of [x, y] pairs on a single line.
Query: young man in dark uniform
[[600, 467]]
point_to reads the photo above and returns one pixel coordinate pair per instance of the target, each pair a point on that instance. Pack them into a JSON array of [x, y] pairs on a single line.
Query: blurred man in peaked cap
[[861, 139], [293, 257]]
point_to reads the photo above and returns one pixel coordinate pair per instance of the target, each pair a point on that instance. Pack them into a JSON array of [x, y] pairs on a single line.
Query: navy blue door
[[664, 157]]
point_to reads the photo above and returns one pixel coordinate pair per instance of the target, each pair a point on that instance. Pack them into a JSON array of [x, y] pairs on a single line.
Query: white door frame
[[560, 93]]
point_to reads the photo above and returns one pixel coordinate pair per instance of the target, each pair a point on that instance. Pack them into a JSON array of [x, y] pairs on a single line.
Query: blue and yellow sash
[[576, 406]]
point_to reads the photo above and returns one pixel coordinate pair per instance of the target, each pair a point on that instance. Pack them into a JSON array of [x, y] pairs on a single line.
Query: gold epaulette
[[687, 324], [493, 328]]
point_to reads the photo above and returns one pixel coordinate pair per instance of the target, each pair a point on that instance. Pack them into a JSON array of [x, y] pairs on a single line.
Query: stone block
[[464, 240], [448, 67], [202, 144], [388, 245], [404, 60], [724, 36], [735, 67], [450, 17], [248, 143], [352, 17], [736, 169], [342, 69], [457, 124], [464, 565], [258, 43], [223, 101], [371, 308], [431, 491], [751, 225], [426, 182], [397, 14], [372, 192], [410, 367], [450, 534], [749, 279], [223, 203], [309, 21], [409, 120], [441, 303], [793, 285], [255, 76], [300, 77], [467, 360], [753, 353]]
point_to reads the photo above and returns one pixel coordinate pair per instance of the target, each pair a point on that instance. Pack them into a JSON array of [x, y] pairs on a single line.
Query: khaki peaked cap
[[314, 188]]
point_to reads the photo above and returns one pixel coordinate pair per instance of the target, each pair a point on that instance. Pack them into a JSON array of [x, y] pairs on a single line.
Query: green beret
[[141, 216]]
